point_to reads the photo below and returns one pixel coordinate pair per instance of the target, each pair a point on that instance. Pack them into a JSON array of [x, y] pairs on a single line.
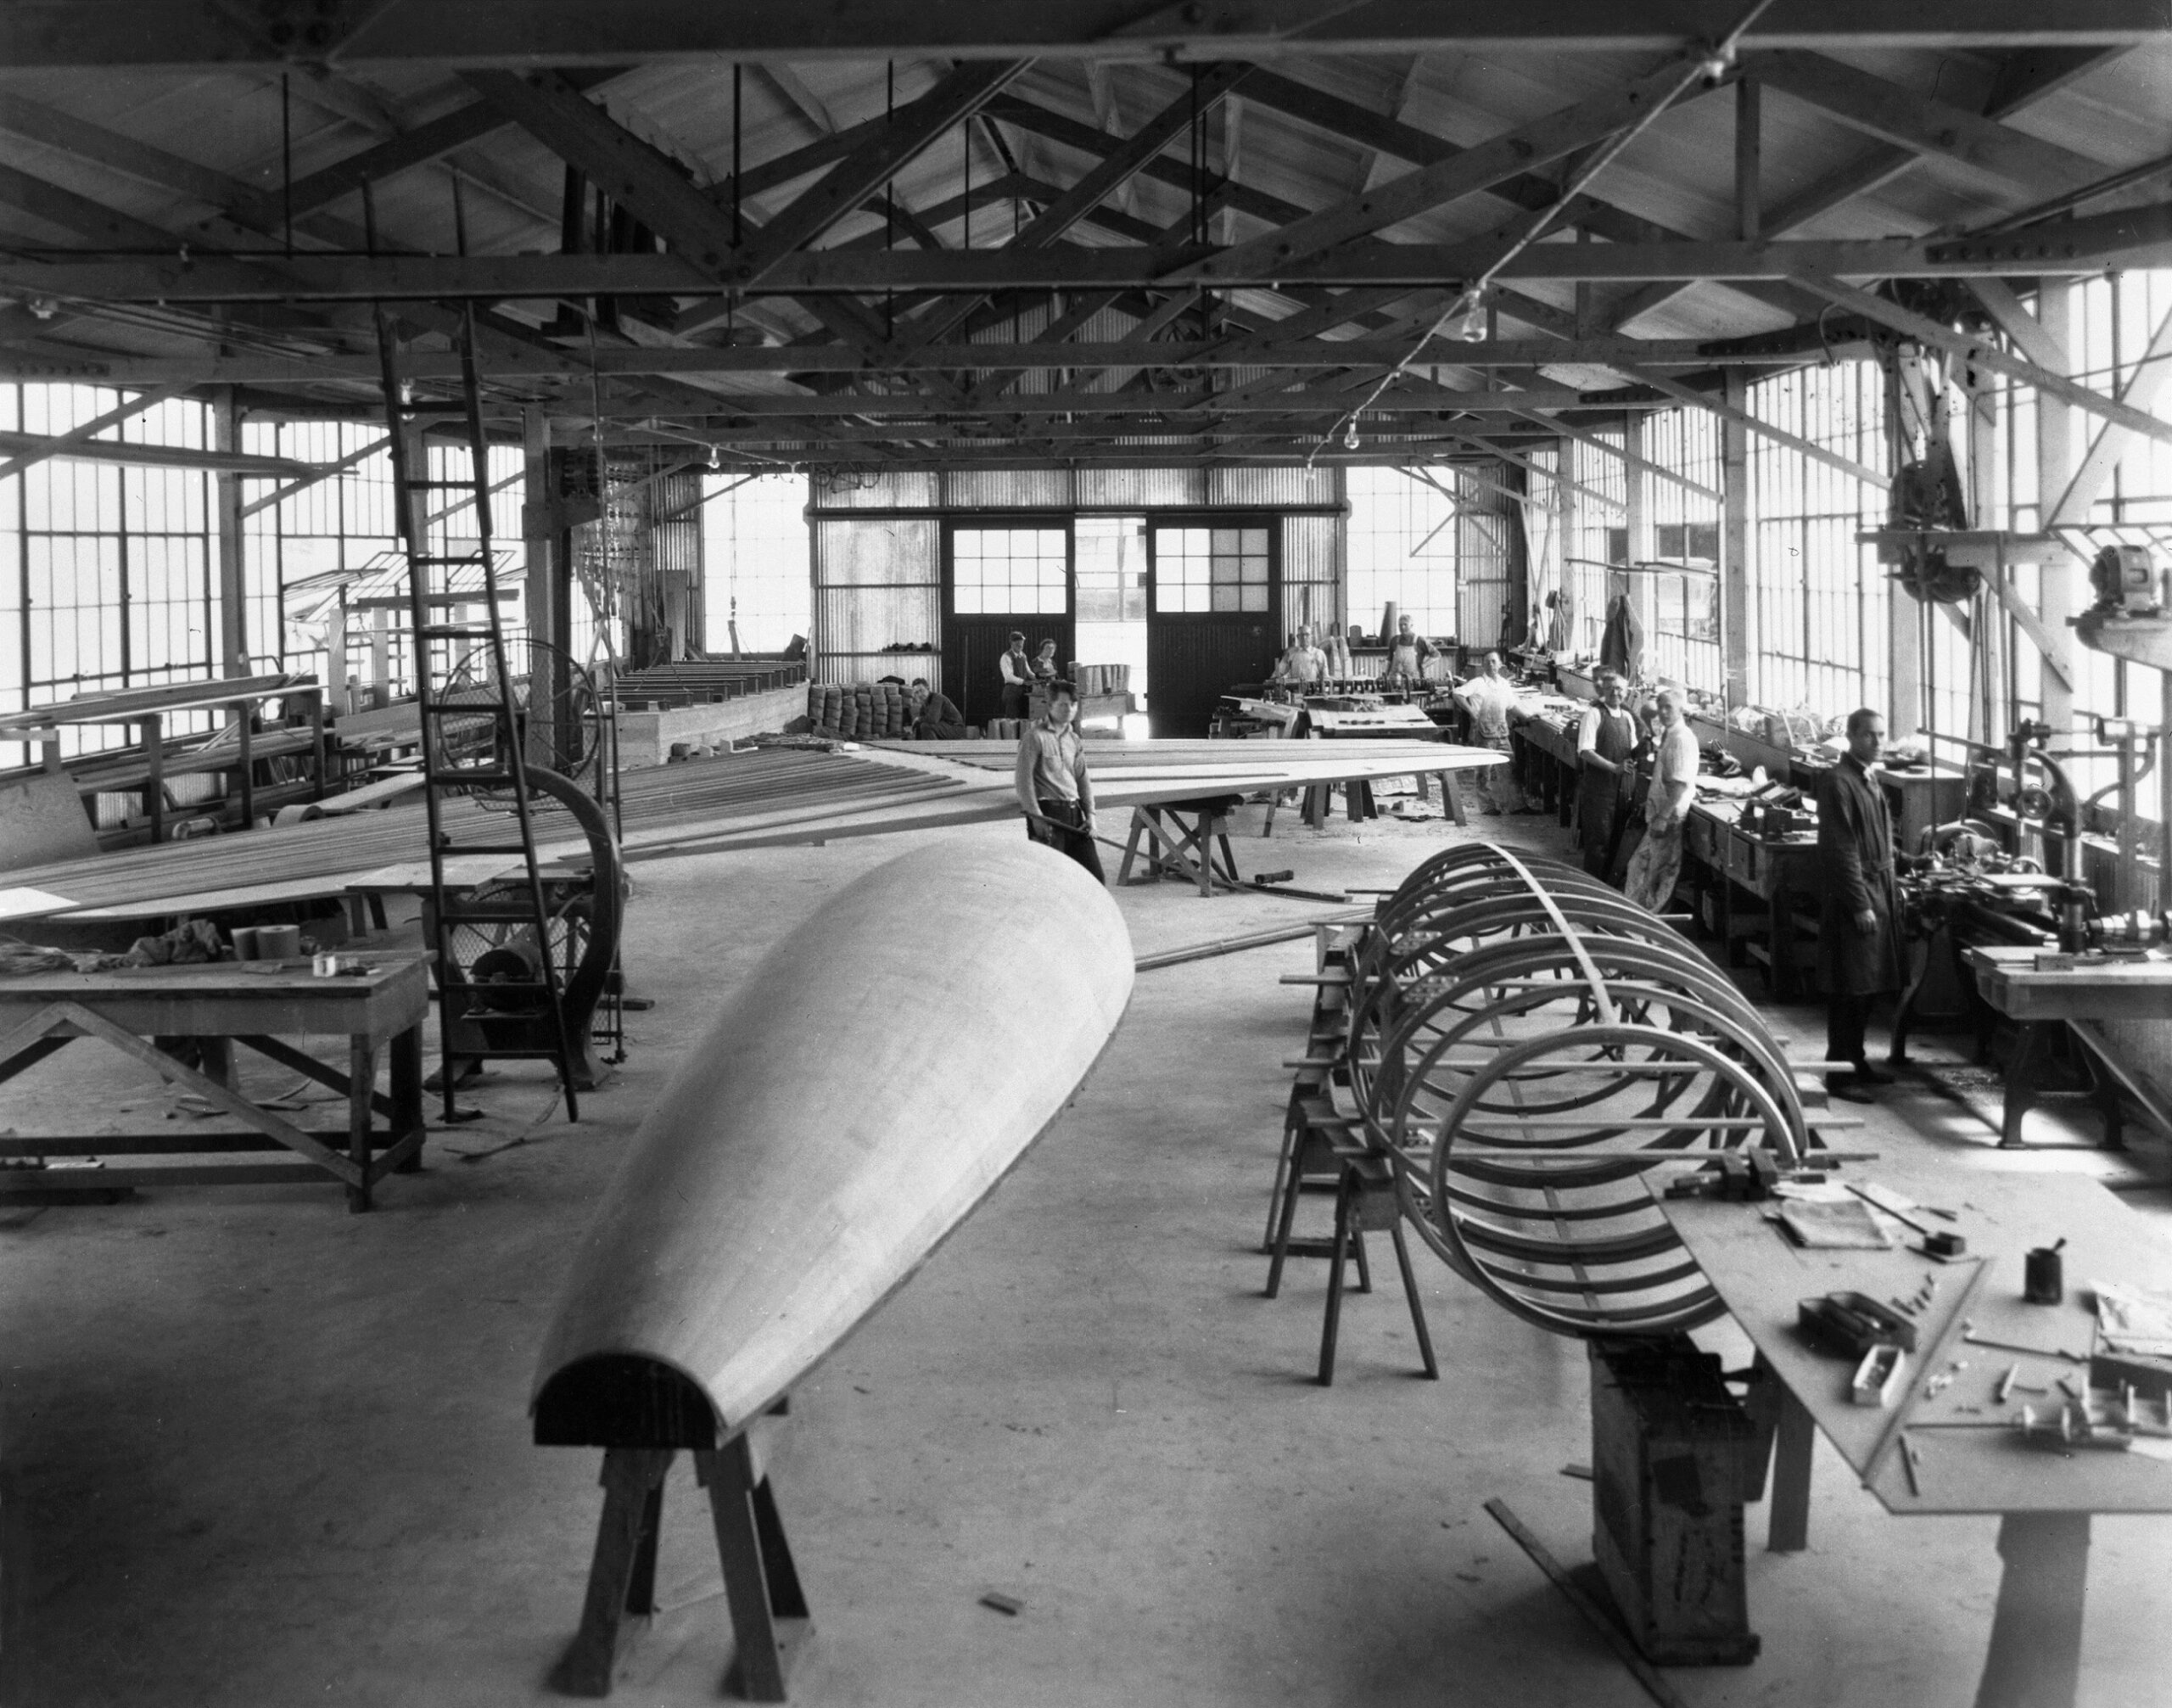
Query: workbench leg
[[2036, 1650], [761, 1584], [407, 1094], [1416, 1301], [2029, 1049], [362, 1080], [1788, 1522], [632, 1490], [1131, 845], [1331, 1324], [1452, 797]]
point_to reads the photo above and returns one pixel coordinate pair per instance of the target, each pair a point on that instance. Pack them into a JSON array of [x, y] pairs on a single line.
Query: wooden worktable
[[216, 1004], [2043, 1500], [2079, 1000]]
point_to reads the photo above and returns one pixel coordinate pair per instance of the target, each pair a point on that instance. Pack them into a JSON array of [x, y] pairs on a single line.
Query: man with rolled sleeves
[[1604, 741], [1859, 953]]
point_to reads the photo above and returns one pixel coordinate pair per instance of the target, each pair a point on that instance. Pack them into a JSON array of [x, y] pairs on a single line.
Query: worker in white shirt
[[1054, 788], [1657, 863], [1017, 676], [1490, 699], [1303, 664]]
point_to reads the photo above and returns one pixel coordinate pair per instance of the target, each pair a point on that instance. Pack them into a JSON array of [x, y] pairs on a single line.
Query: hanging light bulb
[[1350, 435], [1471, 328], [716, 456]]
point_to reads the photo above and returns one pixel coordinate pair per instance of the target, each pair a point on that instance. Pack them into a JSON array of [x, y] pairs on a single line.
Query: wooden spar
[[857, 1096]]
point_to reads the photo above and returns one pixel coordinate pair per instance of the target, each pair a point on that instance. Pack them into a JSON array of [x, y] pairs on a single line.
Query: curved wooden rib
[[857, 1098]]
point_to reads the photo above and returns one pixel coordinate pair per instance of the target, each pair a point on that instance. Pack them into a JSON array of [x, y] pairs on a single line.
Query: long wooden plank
[[784, 1184]]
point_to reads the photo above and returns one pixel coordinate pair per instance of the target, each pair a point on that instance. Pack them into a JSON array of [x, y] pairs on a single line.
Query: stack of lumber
[[1093, 681], [703, 682]]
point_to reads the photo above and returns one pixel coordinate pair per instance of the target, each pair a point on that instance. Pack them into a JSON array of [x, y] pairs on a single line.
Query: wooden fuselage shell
[[846, 1111]]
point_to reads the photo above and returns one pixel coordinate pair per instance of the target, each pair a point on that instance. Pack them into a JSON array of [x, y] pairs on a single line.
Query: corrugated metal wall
[[1296, 485], [876, 583], [1312, 573], [1483, 563], [999, 489], [1149, 489], [903, 491]]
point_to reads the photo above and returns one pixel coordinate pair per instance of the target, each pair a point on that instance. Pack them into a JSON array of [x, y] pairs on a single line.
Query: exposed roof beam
[[46, 34], [105, 228], [2030, 336], [1923, 124], [2025, 78], [35, 447], [910, 132], [1764, 429], [63, 443], [2140, 392], [1494, 161], [2139, 238], [1985, 354], [280, 494], [1330, 395]]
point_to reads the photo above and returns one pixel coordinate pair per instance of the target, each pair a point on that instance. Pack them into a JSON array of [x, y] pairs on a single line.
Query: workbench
[[1968, 1459], [2079, 1000], [234, 752], [1546, 754], [1781, 873], [212, 1006]]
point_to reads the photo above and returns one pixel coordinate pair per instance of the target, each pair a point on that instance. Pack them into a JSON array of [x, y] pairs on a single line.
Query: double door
[[1213, 618]]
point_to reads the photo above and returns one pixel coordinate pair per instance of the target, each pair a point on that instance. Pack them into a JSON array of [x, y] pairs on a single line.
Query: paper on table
[[1833, 1227], [2134, 1319]]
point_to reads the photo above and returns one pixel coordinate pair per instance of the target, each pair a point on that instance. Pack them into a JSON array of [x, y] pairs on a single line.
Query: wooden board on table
[[2121, 989]]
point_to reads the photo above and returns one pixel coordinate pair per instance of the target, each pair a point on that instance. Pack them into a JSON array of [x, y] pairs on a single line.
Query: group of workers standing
[[1021, 674]]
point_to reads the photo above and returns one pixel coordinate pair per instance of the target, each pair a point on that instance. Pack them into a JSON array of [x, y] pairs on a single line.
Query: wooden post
[[1736, 594], [1987, 709], [233, 587], [543, 596], [1643, 590], [1749, 159], [1905, 630], [2054, 468]]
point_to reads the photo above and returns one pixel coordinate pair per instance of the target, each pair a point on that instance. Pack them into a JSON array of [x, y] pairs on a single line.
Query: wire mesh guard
[[1521, 1036]]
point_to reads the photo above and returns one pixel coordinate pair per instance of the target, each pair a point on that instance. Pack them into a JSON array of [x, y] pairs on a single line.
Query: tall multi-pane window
[[1599, 537], [754, 552], [996, 571], [1402, 547], [1685, 608], [1211, 569], [1820, 600]]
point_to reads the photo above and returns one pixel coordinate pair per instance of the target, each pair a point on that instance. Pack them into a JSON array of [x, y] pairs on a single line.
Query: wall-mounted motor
[[2125, 580]]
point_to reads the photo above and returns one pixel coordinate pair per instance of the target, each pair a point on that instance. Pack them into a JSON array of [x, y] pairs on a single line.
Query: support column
[[1905, 629], [226, 526], [1643, 590], [543, 596], [2054, 468], [1565, 494], [1988, 704], [1735, 594]]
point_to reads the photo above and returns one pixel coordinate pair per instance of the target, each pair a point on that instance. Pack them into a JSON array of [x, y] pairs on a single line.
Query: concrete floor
[[257, 1450]]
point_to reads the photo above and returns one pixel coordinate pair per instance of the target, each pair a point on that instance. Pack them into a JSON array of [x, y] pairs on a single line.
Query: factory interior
[[1263, 852]]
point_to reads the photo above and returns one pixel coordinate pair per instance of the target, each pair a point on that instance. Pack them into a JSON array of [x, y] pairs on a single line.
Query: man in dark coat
[[1859, 953]]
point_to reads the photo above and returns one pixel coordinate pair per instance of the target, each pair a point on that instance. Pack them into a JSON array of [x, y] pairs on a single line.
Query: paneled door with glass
[[998, 579]]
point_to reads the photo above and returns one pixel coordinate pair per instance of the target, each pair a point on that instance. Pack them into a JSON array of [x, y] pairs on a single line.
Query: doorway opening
[[1111, 555]]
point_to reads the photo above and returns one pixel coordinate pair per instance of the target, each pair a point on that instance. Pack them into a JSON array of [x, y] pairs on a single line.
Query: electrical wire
[[1707, 67]]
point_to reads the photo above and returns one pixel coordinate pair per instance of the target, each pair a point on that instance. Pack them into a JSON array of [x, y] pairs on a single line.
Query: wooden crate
[[1672, 1462]]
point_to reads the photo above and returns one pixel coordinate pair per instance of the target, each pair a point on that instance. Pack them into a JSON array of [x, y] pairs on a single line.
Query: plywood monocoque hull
[[855, 1100]]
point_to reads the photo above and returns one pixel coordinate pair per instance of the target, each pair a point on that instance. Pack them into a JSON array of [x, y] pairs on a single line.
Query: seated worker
[[934, 718], [1407, 652], [1017, 676], [1604, 741], [1657, 863], [1490, 699], [1054, 788], [1303, 664]]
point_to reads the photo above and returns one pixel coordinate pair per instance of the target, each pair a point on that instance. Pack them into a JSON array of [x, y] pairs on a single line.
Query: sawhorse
[[769, 1611], [1365, 1200], [1176, 848]]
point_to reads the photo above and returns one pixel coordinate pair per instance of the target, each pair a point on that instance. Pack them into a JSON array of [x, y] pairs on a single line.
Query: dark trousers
[[1014, 699], [1845, 1017], [1066, 834]]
